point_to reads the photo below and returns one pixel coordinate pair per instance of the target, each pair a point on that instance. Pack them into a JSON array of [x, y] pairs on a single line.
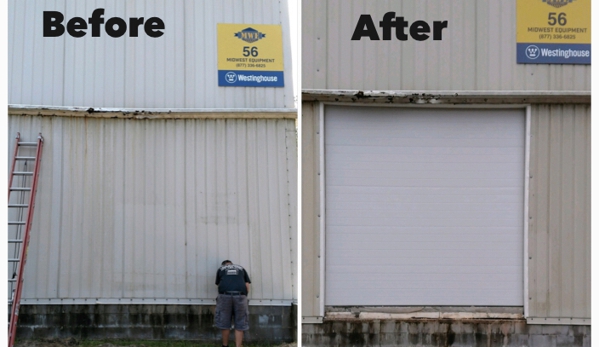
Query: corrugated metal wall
[[177, 70], [477, 52], [311, 257], [147, 209], [559, 246], [559, 210]]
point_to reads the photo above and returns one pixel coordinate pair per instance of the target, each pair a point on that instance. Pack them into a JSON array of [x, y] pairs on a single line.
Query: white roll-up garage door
[[424, 206]]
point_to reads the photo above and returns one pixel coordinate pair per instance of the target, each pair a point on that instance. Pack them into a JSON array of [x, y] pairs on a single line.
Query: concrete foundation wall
[[457, 333], [272, 324]]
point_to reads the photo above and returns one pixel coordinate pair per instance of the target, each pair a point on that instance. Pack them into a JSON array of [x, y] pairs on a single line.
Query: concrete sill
[[420, 315]]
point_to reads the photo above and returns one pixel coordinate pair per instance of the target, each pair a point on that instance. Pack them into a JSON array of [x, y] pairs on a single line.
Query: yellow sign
[[554, 31], [250, 55]]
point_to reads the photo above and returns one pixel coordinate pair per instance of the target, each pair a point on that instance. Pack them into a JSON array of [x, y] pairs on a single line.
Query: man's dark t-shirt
[[232, 278]]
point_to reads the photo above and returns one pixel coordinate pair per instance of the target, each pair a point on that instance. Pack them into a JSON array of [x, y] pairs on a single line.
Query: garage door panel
[[411, 293], [492, 168], [429, 261], [418, 235], [466, 124], [427, 146], [433, 183], [472, 221], [451, 214], [395, 172], [360, 195], [424, 297], [410, 269], [429, 202], [377, 157], [411, 144], [430, 247], [394, 206], [438, 281]]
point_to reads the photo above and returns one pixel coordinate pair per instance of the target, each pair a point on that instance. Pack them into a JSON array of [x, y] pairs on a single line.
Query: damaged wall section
[[424, 332], [271, 324]]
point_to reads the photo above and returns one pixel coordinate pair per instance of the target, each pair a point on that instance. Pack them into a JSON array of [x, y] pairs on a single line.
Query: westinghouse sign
[[553, 31], [250, 55]]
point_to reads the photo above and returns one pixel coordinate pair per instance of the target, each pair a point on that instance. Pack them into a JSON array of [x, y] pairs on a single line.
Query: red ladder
[[21, 200]]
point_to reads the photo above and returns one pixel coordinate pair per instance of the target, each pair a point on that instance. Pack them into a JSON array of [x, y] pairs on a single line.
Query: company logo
[[231, 77], [558, 3], [250, 35], [532, 52]]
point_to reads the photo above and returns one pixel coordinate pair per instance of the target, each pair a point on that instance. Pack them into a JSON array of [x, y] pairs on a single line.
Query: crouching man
[[233, 287]]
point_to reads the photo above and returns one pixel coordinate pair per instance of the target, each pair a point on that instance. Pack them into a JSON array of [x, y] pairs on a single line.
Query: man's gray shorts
[[231, 306]]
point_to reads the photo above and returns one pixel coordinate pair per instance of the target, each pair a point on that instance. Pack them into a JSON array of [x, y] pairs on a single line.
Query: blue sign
[[553, 53], [244, 78]]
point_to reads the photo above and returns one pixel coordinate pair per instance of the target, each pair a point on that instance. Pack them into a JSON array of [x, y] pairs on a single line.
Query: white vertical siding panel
[[211, 213], [566, 239], [55, 210], [582, 278], [191, 283], [219, 188], [244, 227], [26, 60], [311, 269], [177, 70], [149, 186], [283, 248], [138, 217], [290, 221], [32, 64], [15, 18], [181, 153], [314, 49], [128, 178], [203, 208], [478, 50], [280, 253], [253, 208], [149, 208], [559, 268], [109, 239], [195, 50], [120, 215], [264, 189], [554, 207]]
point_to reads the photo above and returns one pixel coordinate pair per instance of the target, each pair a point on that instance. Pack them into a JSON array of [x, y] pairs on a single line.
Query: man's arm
[[247, 287]]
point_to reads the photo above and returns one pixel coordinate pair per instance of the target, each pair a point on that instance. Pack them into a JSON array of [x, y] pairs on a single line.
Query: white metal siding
[[310, 200], [477, 52], [424, 206], [147, 209], [177, 70], [559, 240]]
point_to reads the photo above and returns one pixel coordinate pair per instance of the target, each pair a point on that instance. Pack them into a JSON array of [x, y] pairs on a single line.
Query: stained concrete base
[[272, 324], [443, 332]]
